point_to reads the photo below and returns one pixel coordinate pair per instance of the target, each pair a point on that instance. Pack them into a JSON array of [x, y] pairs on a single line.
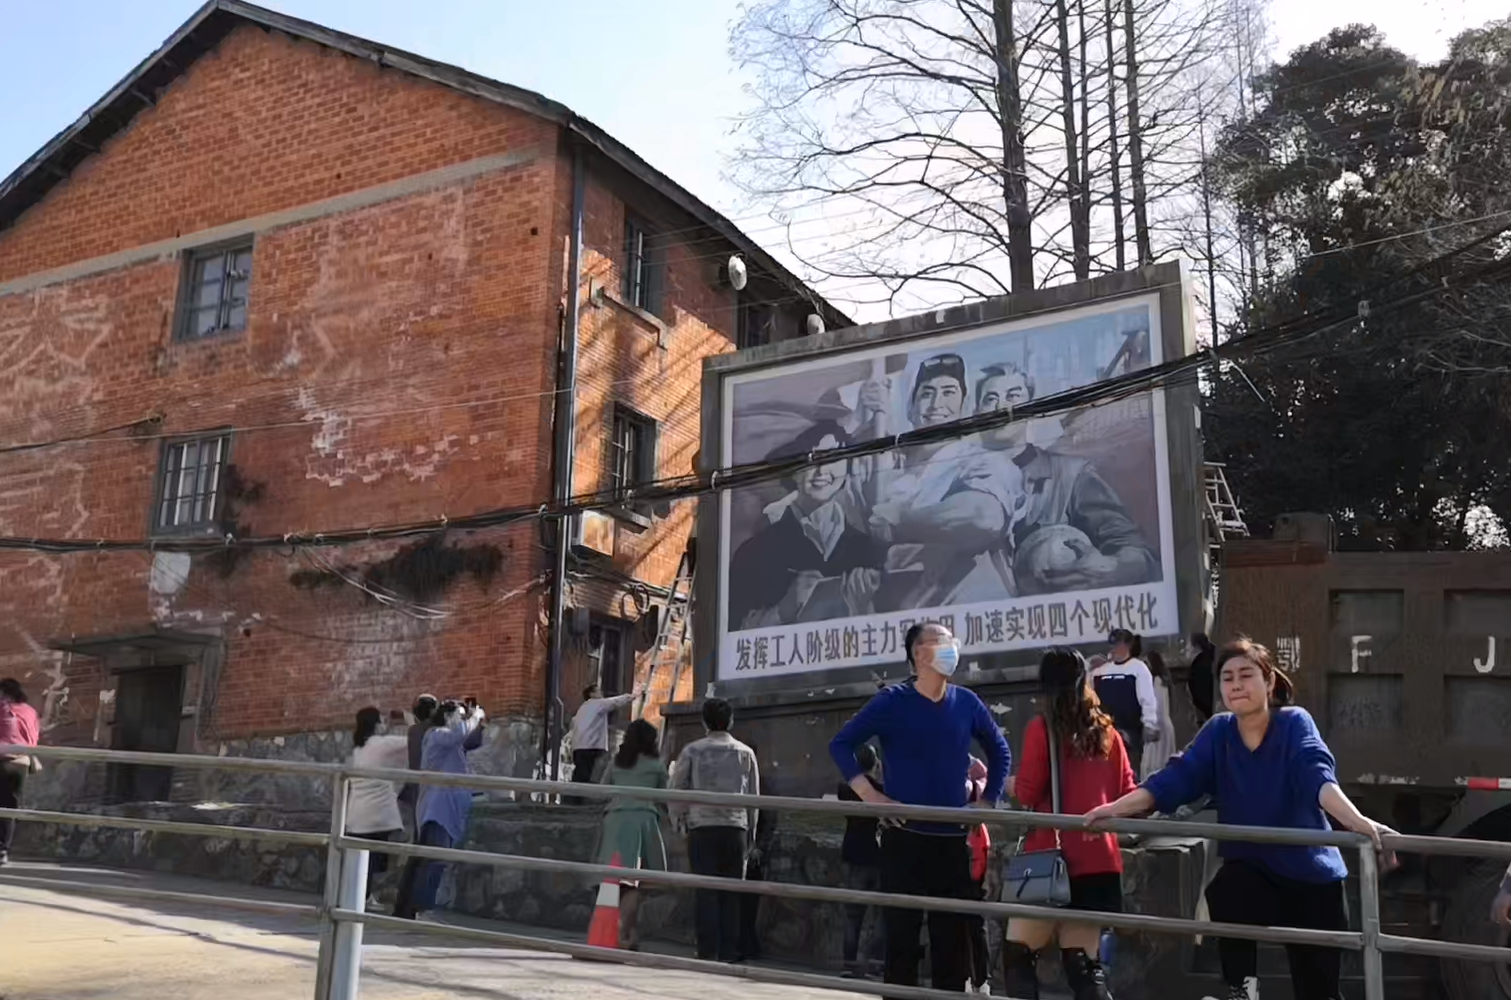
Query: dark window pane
[[217, 297], [190, 483]]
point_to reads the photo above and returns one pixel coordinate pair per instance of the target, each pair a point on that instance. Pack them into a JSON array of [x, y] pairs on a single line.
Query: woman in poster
[[805, 562]]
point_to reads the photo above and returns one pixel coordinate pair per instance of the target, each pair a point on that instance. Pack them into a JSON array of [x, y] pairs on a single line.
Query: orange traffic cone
[[603, 932]]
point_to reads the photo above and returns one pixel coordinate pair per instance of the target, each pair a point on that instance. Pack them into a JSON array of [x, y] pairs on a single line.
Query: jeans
[[12, 777], [377, 863], [981, 949], [920, 864], [862, 878], [421, 879], [720, 851], [1246, 893], [584, 767]]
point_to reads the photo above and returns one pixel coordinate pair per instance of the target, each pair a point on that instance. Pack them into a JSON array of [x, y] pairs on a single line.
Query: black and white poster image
[[1050, 529]]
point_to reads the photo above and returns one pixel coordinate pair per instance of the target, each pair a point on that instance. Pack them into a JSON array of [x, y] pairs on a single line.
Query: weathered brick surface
[[398, 366]]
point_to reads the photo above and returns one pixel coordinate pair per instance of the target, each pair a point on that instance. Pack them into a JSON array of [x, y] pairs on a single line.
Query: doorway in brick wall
[[149, 704]]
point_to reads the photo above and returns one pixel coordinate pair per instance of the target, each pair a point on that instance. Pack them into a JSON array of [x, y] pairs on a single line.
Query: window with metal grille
[[215, 291], [606, 657], [189, 484], [756, 325], [643, 266], [632, 450]]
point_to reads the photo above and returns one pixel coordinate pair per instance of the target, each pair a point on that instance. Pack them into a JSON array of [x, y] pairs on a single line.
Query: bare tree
[[948, 149]]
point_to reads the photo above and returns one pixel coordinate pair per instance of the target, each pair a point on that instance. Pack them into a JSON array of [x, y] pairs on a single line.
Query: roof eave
[[205, 29]]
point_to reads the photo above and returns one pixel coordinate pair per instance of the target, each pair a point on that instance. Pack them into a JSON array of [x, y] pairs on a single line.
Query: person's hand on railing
[[1500, 906], [1135, 802]]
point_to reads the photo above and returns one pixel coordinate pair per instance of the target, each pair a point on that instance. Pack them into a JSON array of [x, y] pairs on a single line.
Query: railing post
[[346, 965], [1369, 906], [331, 898]]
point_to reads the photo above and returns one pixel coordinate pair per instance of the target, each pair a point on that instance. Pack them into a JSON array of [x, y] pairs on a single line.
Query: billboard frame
[[1169, 283]]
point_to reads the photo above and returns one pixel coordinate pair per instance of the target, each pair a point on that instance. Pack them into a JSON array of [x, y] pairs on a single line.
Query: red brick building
[[281, 279]]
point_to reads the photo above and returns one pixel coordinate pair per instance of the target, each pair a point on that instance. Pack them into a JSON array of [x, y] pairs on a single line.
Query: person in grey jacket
[[719, 838]]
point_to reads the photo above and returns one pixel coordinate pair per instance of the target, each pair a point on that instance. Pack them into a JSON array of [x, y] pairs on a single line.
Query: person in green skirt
[[632, 827]]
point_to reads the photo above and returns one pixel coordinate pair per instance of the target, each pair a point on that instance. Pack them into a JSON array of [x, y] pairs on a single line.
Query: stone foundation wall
[[511, 749]]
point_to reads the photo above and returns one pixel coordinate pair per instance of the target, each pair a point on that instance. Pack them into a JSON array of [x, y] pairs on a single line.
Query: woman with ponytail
[[1094, 770], [1265, 764], [372, 805]]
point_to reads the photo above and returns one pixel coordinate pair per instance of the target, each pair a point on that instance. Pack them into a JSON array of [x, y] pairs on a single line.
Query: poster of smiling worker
[[1054, 529]]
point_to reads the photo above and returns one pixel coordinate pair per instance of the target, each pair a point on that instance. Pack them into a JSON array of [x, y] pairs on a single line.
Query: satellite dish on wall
[[815, 324], [736, 274]]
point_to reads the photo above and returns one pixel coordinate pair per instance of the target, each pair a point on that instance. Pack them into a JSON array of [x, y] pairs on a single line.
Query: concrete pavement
[[57, 945]]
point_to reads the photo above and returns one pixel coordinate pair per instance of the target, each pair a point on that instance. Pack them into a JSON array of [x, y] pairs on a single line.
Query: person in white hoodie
[[1125, 687], [372, 806]]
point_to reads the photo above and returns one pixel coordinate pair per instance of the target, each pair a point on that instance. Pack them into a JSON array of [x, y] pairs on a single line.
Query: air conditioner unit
[[593, 532]]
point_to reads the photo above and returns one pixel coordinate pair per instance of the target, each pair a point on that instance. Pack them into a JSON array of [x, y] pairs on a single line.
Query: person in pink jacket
[[19, 726], [980, 843]]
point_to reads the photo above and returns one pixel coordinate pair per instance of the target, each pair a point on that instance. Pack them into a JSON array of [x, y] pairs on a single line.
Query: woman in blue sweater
[[1265, 764]]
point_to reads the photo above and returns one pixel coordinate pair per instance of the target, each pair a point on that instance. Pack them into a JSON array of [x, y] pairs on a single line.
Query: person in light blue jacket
[[1265, 764], [441, 813]]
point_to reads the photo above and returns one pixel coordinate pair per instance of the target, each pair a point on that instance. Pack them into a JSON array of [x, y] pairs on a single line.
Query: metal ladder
[[1224, 518], [671, 635]]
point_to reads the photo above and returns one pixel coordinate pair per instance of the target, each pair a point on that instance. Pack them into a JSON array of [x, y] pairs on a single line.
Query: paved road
[[67, 946]]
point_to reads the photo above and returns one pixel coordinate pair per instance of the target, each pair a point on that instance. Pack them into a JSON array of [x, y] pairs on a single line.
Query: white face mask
[[947, 659]]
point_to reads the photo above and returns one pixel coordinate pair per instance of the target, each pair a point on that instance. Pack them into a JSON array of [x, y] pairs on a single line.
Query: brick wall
[[397, 366]]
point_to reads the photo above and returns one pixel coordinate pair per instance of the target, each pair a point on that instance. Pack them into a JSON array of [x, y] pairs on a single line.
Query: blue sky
[[655, 73]]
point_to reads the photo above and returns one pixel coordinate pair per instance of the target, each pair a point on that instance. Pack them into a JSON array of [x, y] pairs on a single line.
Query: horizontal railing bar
[[1449, 846], [184, 760], [995, 817], [827, 894], [650, 960], [1444, 949], [966, 816], [92, 820], [162, 895]]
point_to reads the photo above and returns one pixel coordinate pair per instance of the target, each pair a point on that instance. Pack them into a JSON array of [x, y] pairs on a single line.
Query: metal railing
[[342, 914]]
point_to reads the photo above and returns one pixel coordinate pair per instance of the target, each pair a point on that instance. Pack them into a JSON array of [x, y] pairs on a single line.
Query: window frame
[[755, 316], [188, 310], [644, 284], [619, 629], [209, 525], [627, 508]]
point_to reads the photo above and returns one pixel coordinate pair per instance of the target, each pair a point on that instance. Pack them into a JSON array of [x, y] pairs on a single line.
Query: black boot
[[1020, 971], [1084, 975]]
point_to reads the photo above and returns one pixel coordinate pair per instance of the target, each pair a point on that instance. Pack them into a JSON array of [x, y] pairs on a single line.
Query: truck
[[1404, 659]]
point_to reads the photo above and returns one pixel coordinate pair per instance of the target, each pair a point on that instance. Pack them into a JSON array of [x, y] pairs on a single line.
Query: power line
[[108, 434], [1265, 340]]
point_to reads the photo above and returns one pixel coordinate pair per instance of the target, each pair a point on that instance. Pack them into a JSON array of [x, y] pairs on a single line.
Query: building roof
[[114, 112]]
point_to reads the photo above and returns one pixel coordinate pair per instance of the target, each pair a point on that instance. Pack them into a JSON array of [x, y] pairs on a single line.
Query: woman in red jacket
[[1094, 770]]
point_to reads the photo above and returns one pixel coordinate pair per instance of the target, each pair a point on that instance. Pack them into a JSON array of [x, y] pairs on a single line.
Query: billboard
[[1047, 530]]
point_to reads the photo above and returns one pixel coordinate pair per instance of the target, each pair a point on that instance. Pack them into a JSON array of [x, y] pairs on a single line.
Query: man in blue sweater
[[925, 728]]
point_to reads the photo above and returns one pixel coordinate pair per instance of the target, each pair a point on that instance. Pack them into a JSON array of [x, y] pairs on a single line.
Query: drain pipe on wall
[[565, 441]]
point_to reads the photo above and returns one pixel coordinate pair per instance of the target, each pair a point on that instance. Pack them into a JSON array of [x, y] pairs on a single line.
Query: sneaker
[[1248, 991], [427, 917]]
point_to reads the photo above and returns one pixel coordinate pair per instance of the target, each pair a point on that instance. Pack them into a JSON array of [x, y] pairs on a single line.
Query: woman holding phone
[[1265, 764]]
